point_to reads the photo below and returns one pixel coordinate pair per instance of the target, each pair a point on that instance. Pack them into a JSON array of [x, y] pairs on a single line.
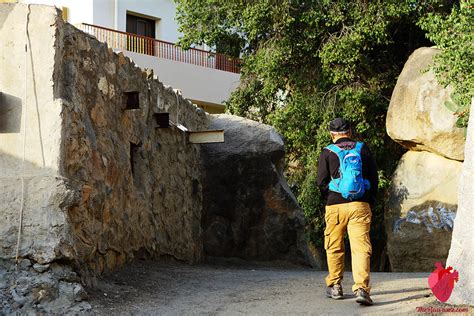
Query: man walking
[[347, 179]]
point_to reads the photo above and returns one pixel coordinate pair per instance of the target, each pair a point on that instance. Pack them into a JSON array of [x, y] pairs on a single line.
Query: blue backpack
[[350, 184]]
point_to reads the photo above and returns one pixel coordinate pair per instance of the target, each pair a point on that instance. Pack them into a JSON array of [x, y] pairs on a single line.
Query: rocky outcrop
[[461, 253], [249, 211], [422, 200], [52, 289], [417, 117], [420, 210]]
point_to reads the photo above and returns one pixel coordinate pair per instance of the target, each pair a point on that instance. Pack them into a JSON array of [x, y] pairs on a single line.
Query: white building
[[146, 30]]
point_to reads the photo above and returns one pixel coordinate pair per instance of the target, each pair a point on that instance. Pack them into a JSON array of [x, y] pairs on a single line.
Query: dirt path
[[151, 288]]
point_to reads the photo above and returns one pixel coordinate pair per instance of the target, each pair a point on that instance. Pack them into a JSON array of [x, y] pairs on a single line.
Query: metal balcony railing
[[150, 46]]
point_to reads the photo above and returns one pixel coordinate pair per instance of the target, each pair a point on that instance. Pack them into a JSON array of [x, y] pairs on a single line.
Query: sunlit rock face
[[461, 253], [422, 201], [418, 117]]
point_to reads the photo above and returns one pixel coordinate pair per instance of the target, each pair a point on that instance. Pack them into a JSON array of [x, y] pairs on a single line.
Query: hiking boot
[[334, 291], [363, 298]]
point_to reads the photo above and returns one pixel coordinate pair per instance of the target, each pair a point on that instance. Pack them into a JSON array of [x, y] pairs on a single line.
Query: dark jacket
[[329, 166]]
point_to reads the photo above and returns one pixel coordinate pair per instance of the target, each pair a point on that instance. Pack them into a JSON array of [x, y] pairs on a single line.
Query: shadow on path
[[414, 289], [156, 288], [408, 298]]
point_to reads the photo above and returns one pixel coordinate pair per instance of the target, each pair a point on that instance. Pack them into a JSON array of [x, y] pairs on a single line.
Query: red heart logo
[[441, 282]]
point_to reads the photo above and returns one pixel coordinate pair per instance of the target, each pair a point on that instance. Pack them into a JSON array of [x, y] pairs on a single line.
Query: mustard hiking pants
[[355, 217]]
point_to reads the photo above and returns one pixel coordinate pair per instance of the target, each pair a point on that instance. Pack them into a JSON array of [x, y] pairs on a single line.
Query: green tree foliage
[[454, 34], [307, 62]]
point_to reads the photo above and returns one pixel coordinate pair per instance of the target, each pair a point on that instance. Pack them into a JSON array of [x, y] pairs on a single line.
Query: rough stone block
[[420, 211], [417, 117], [249, 211]]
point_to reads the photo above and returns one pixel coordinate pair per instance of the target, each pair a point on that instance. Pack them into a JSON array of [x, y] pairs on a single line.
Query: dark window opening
[[132, 100], [162, 120], [140, 26], [143, 27]]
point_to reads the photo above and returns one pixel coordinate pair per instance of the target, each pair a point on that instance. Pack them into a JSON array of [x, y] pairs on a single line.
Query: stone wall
[[139, 185], [82, 144], [422, 199], [102, 183]]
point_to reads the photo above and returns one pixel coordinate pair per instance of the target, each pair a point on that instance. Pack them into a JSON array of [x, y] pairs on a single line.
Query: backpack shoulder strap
[[338, 151], [335, 149], [359, 146]]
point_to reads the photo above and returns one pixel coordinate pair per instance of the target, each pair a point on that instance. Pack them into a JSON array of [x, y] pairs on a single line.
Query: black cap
[[339, 125]]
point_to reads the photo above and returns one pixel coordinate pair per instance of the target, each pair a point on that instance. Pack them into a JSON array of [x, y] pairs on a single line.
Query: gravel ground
[[158, 288]]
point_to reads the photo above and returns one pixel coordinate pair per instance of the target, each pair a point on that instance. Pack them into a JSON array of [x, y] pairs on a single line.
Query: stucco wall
[[104, 13], [113, 13], [36, 82], [196, 82], [79, 11], [30, 132]]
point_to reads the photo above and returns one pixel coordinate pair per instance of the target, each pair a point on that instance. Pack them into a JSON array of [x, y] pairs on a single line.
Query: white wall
[[79, 11], [103, 12], [195, 82], [113, 13], [27, 94], [162, 10]]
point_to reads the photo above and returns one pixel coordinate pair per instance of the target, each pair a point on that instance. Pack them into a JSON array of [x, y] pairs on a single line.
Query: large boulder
[[420, 211], [249, 211], [461, 253], [417, 117]]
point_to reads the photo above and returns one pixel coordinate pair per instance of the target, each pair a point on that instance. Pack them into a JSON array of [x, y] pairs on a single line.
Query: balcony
[[166, 50]]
